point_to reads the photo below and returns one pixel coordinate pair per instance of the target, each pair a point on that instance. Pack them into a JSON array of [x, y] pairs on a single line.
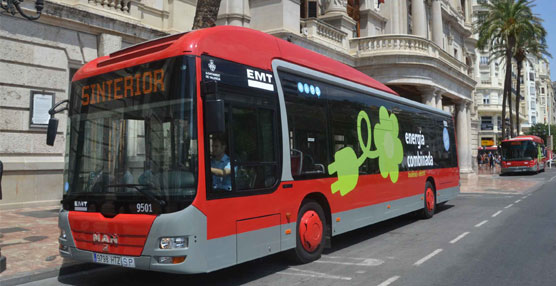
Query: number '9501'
[[144, 208]]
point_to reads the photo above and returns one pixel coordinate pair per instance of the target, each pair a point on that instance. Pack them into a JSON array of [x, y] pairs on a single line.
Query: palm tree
[[206, 13], [528, 43], [503, 20]]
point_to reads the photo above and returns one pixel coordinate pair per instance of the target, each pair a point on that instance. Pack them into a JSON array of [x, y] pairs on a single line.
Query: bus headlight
[[63, 234], [174, 242]]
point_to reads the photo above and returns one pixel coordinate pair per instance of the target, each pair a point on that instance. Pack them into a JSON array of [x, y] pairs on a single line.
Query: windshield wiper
[[144, 191]]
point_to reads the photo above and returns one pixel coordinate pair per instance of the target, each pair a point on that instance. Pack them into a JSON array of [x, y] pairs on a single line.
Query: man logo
[[105, 238]]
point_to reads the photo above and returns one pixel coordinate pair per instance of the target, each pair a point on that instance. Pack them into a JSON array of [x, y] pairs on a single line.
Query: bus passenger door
[[243, 172]]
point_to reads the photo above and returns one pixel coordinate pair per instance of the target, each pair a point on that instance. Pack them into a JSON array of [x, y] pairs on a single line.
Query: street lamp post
[[12, 6]]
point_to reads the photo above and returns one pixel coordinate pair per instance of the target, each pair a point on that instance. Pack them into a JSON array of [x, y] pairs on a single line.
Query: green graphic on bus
[[389, 152], [388, 145]]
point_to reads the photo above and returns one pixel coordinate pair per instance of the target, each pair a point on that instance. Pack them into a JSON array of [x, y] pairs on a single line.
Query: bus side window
[[308, 138], [254, 148], [344, 128]]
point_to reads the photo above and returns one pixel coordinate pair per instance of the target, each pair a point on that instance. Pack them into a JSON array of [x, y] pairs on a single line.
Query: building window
[[533, 119], [486, 123], [531, 76], [309, 9], [499, 122], [542, 90], [486, 99], [484, 60], [353, 12]]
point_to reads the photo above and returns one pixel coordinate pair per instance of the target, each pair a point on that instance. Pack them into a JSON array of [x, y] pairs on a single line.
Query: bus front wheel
[[430, 201], [311, 225]]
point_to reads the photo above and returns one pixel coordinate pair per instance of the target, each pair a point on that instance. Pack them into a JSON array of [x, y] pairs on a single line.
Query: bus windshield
[[519, 150], [134, 147]]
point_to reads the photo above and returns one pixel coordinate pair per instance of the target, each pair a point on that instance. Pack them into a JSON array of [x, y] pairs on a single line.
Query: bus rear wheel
[[311, 225], [430, 201]]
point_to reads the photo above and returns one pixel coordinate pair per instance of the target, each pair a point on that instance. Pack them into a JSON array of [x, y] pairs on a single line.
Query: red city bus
[[202, 150], [523, 154]]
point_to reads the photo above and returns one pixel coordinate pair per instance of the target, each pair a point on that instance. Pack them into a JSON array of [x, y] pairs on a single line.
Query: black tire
[[429, 207], [300, 253]]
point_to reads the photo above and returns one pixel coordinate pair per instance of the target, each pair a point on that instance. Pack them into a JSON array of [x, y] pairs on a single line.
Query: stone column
[[396, 17], [108, 43], [234, 13], [419, 18], [429, 98], [437, 33], [463, 138], [439, 100], [335, 6], [469, 165]]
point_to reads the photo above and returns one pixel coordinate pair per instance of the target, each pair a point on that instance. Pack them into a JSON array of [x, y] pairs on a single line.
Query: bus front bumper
[[518, 169]]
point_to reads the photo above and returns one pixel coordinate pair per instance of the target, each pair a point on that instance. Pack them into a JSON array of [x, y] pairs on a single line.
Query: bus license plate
[[114, 260]]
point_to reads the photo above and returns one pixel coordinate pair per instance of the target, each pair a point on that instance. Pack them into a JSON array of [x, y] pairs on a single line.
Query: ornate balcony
[[412, 60], [149, 14], [404, 45], [323, 33]]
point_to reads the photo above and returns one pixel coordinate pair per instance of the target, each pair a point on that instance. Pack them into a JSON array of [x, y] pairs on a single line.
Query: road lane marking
[[459, 237], [517, 201], [508, 206], [481, 223], [360, 271], [524, 197], [552, 179], [496, 213], [313, 274], [365, 262], [422, 260], [389, 281]]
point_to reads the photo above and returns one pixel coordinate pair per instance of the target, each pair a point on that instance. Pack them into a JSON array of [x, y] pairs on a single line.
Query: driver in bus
[[220, 165]]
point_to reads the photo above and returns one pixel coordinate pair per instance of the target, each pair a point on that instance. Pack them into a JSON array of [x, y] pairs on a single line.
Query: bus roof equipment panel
[[242, 45]]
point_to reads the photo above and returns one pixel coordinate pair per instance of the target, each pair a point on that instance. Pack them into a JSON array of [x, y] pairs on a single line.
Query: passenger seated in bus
[[220, 165]]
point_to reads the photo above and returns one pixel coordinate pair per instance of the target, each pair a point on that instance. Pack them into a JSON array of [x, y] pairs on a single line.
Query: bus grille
[[124, 234]]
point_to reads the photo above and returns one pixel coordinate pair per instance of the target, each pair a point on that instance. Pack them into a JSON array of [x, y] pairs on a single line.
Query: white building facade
[[422, 49]]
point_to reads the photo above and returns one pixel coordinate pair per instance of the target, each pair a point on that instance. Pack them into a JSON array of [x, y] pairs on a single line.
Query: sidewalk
[[489, 181], [29, 241], [29, 236]]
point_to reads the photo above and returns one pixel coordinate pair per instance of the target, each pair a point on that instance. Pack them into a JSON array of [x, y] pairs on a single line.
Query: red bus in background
[[202, 150], [523, 154]]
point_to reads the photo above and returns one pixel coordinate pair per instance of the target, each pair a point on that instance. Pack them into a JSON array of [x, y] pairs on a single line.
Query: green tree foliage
[[541, 130], [528, 43], [498, 28]]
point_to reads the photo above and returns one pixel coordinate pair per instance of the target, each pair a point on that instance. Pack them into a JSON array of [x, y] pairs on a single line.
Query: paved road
[[476, 239]]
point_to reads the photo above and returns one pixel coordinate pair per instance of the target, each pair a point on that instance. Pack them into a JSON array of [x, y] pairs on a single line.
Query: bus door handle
[[287, 186]]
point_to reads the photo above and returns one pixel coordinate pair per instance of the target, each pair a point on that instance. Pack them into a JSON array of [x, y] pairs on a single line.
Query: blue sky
[[546, 9]]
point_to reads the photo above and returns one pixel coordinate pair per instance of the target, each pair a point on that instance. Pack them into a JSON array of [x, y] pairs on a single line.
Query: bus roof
[[241, 45], [526, 138]]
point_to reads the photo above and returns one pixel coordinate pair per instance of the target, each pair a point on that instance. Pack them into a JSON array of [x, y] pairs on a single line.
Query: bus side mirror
[[214, 116], [51, 131], [53, 122]]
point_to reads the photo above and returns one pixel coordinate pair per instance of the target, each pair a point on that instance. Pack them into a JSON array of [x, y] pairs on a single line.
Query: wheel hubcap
[[310, 231], [430, 199]]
